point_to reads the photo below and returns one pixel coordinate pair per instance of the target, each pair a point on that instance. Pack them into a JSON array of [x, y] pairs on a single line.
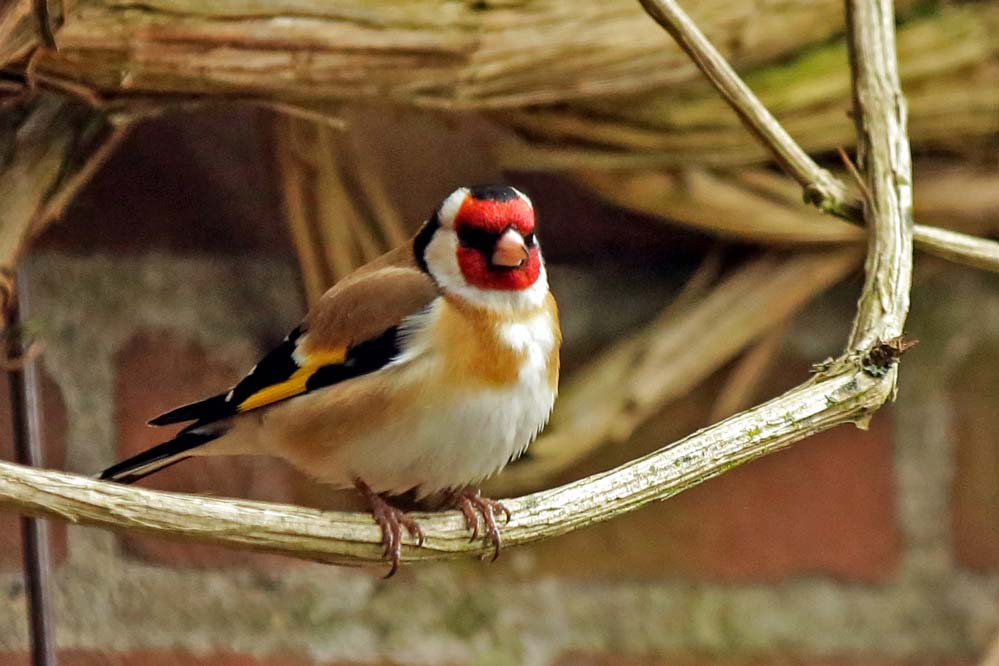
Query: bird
[[422, 373]]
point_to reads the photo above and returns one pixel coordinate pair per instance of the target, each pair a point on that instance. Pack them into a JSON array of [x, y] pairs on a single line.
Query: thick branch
[[820, 187], [352, 538]]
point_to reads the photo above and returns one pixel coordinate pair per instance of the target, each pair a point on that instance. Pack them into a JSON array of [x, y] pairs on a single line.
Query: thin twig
[[851, 169], [71, 185], [303, 112]]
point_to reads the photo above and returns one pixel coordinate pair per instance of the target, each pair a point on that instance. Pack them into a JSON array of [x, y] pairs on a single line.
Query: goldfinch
[[426, 370]]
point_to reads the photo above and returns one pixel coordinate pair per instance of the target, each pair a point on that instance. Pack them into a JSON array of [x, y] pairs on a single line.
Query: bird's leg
[[391, 520], [472, 504]]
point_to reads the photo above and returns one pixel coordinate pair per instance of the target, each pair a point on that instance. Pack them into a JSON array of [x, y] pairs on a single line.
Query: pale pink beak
[[510, 250]]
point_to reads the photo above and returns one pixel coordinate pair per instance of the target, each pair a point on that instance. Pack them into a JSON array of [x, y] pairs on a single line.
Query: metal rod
[[26, 419]]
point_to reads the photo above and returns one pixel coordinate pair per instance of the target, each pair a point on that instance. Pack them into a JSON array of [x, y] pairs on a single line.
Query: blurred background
[[185, 198]]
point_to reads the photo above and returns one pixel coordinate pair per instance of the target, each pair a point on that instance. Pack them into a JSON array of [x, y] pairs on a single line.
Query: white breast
[[455, 437]]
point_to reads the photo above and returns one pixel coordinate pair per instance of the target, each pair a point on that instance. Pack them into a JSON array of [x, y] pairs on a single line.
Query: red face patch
[[493, 218]]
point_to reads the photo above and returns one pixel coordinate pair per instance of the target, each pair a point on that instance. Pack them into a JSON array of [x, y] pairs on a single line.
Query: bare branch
[[957, 247], [883, 154], [352, 538]]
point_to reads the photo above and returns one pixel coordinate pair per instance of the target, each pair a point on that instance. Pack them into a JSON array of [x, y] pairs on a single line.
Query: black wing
[[285, 373]]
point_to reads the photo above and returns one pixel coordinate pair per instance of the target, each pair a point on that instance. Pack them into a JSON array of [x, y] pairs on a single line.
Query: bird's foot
[[472, 505], [392, 521]]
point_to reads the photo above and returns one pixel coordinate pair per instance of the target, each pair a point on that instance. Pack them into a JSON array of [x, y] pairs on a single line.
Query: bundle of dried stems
[[945, 61], [49, 146]]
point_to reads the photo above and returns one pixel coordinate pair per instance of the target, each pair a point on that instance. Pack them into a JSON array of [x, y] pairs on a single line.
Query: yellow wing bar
[[294, 385]]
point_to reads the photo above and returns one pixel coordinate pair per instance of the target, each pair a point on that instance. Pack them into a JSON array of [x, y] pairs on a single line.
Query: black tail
[[209, 409], [158, 457]]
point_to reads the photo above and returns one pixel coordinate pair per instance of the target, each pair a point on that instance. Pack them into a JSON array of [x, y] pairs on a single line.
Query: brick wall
[[877, 547]]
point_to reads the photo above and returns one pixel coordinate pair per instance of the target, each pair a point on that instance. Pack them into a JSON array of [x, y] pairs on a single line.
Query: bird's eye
[[477, 239], [529, 239]]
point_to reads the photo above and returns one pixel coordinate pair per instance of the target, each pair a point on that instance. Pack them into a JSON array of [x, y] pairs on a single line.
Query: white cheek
[[442, 259]]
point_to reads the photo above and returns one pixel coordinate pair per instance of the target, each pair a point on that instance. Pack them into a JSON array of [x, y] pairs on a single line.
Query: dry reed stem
[[758, 205], [718, 203], [315, 275], [947, 60], [337, 209]]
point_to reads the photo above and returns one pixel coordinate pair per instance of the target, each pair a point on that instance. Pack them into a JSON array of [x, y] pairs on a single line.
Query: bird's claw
[[392, 521], [472, 505]]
